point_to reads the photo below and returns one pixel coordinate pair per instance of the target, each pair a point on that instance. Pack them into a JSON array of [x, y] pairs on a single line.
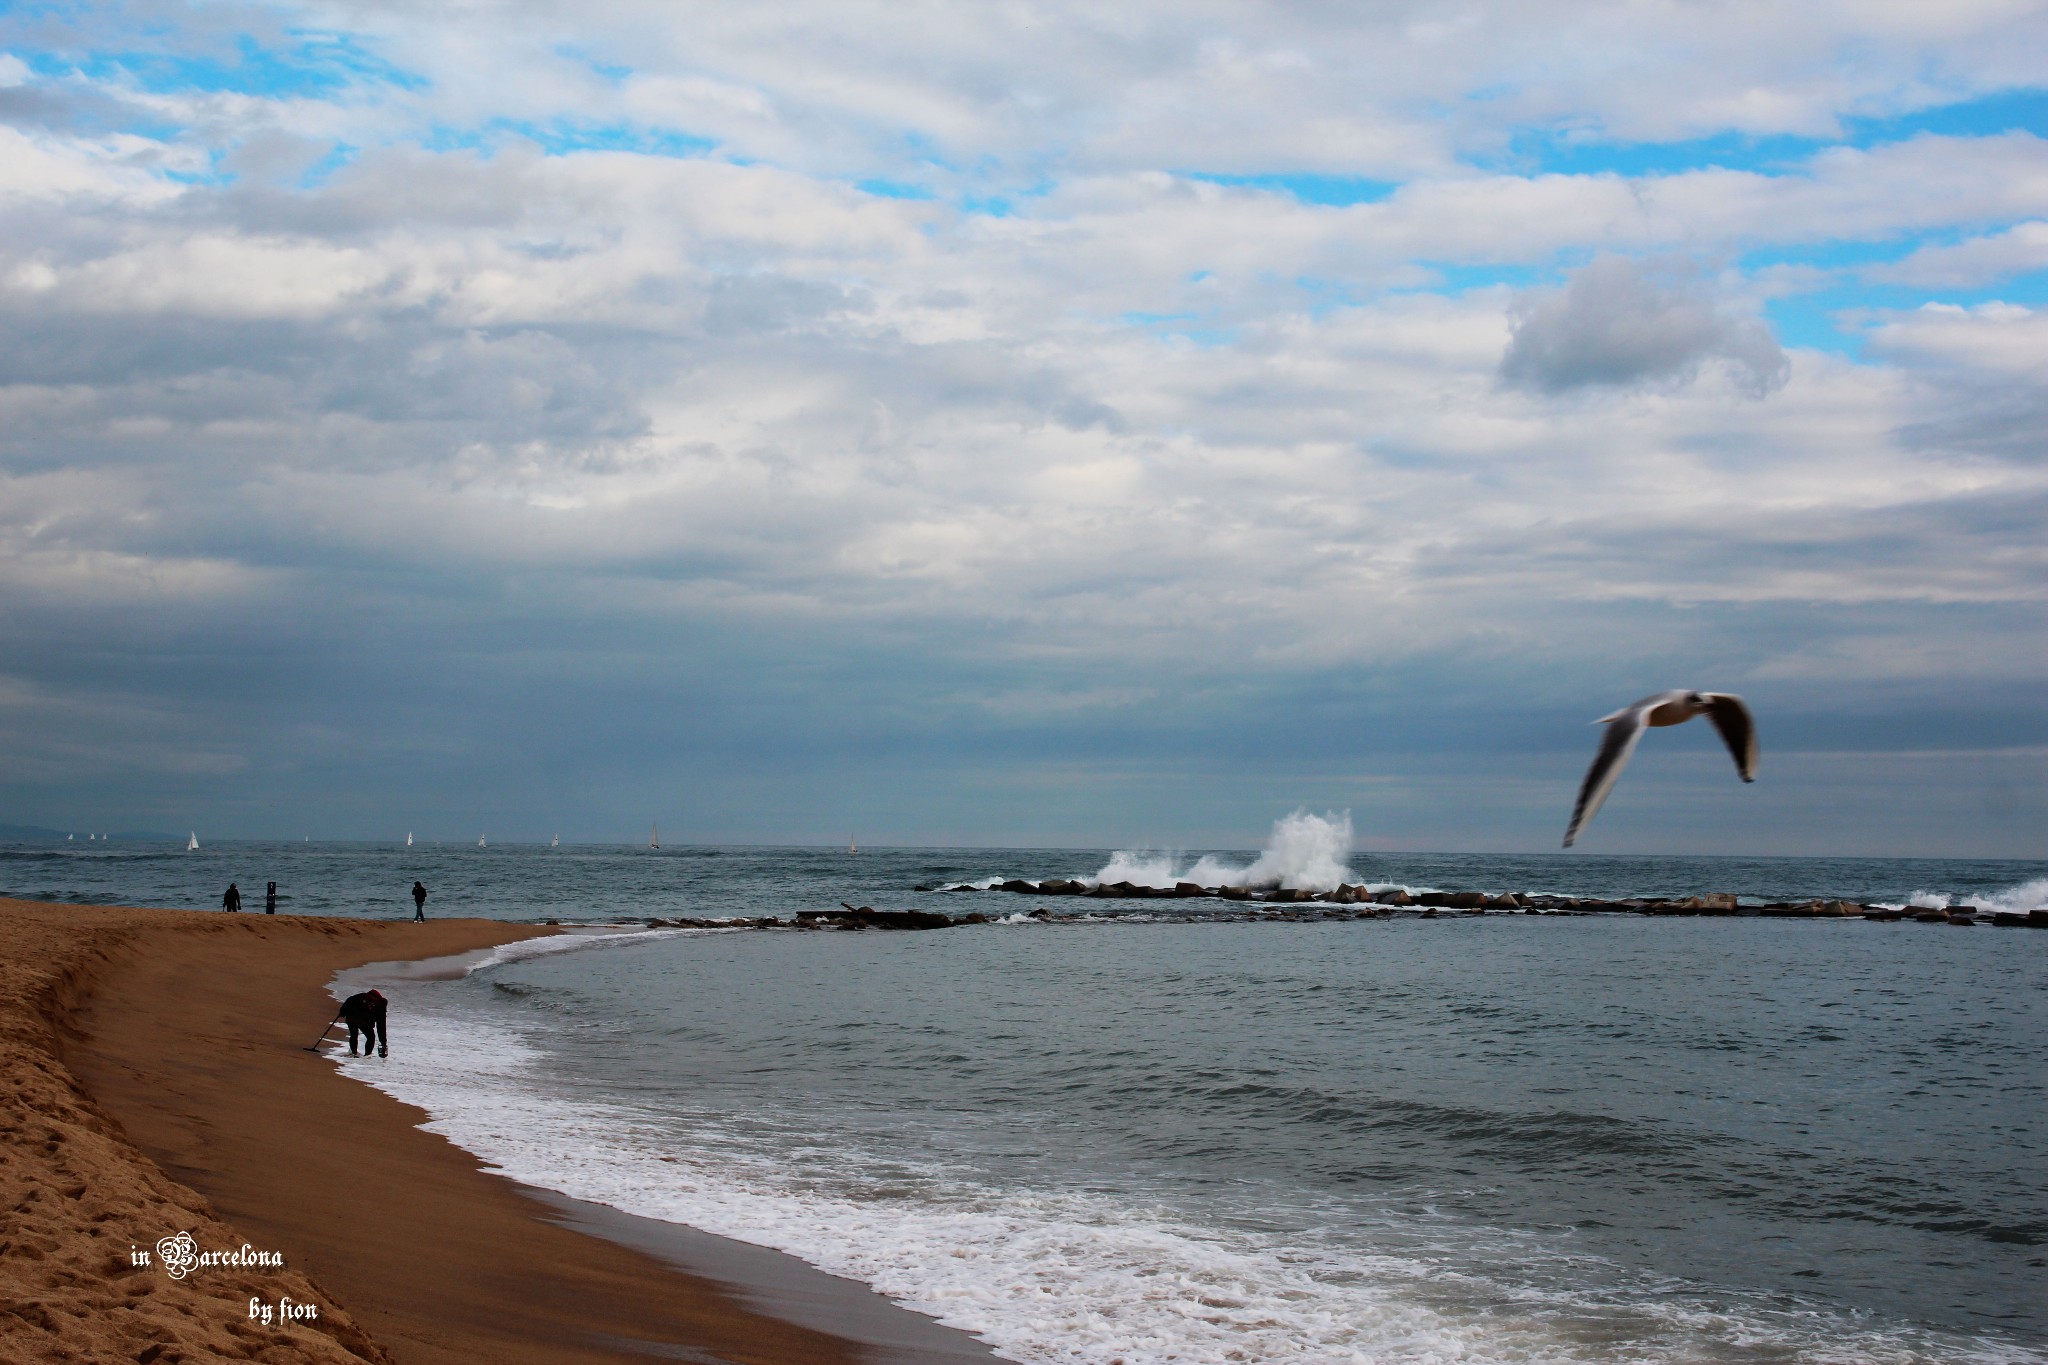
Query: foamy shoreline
[[165, 1103]]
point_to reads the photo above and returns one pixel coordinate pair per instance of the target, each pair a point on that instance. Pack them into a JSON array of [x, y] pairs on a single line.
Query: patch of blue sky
[[338, 157], [1326, 296], [561, 137], [1577, 151], [214, 172], [313, 64], [1004, 203], [988, 205], [893, 189], [612, 72], [1535, 152], [1830, 319], [1849, 253], [1462, 279], [1331, 191], [1187, 327], [1811, 322]]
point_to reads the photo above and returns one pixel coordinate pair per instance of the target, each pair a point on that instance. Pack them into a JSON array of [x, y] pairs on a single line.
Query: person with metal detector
[[364, 1014]]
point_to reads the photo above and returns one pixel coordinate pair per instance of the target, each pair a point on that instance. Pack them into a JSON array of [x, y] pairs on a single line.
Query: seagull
[[1625, 727]]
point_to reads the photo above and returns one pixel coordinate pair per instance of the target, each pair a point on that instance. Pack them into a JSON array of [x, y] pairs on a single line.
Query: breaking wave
[[2030, 895], [1305, 852]]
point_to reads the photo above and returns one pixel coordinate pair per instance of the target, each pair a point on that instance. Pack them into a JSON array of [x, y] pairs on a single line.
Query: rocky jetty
[[846, 917], [1353, 903], [1430, 904]]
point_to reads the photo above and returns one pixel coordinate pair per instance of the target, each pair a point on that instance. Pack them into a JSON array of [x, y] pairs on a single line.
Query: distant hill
[[28, 834]]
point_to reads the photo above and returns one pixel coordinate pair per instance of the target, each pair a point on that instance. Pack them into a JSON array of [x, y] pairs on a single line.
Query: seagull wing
[[1622, 733], [1738, 731]]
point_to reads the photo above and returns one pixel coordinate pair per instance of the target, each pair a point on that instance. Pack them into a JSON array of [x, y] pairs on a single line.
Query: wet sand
[[159, 1083]]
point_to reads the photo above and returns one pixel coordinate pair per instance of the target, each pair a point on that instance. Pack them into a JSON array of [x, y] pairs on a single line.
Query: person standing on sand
[[231, 899], [270, 900], [364, 1014], [419, 903]]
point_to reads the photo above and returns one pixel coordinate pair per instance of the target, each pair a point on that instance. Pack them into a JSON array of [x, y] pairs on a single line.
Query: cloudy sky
[[1024, 423]]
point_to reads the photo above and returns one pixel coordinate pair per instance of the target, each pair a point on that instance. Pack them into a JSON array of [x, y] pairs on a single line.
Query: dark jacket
[[365, 1014]]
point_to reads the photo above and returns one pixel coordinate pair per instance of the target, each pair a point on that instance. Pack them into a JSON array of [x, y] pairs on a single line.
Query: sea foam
[[1305, 852], [1067, 1276]]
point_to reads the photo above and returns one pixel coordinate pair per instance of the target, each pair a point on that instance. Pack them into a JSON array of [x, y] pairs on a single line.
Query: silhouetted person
[[270, 900], [364, 1014], [231, 899], [419, 903]]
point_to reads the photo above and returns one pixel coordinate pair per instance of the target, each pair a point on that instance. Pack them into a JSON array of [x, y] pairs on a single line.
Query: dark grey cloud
[[1622, 322]]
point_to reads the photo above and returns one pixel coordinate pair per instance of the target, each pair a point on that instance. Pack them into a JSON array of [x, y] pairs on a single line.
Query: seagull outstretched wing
[[1738, 731], [1624, 728]]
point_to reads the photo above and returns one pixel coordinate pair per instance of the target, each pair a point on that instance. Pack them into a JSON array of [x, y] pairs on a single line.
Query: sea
[[1141, 1133]]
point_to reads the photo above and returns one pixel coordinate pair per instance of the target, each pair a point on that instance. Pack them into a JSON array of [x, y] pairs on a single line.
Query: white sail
[[555, 842], [480, 842], [192, 841]]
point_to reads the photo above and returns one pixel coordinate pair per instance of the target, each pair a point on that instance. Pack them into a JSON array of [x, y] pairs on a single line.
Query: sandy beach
[[160, 1085]]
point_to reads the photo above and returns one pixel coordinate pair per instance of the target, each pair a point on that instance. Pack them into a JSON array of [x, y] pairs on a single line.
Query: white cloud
[[2003, 339], [2019, 250]]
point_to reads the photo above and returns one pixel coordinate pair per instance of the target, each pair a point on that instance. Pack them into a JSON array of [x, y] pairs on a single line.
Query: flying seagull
[[1625, 727]]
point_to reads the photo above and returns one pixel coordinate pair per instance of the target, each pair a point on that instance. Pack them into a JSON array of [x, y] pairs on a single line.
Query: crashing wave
[[1304, 852]]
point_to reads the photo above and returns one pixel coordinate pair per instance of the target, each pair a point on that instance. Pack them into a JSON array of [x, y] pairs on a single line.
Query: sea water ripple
[[1503, 1139]]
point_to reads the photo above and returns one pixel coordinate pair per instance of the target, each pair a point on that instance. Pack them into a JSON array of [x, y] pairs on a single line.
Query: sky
[[1025, 423]]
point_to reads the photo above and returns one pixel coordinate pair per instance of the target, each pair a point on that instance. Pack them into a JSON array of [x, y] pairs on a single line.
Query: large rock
[[1234, 893], [1394, 897], [1019, 885], [867, 917], [1188, 889]]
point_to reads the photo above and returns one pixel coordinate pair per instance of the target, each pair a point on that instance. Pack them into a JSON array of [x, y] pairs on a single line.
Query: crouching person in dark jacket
[[364, 1014]]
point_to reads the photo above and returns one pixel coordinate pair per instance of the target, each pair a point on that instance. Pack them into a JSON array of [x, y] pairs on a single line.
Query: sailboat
[[555, 842], [480, 841], [192, 842], [408, 838], [851, 846], [654, 835]]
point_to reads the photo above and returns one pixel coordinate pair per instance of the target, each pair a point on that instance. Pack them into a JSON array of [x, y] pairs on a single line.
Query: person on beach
[[364, 1014], [419, 903], [231, 899], [270, 899]]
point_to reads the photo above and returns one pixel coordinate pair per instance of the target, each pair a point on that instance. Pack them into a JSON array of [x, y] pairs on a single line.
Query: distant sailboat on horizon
[[555, 842], [654, 835], [851, 846], [408, 838], [480, 841], [192, 842]]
